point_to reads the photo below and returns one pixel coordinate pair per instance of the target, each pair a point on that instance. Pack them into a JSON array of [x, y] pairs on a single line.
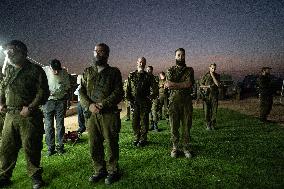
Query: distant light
[[1, 48]]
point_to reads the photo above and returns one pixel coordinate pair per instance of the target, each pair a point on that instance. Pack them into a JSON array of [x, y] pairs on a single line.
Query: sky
[[239, 36]]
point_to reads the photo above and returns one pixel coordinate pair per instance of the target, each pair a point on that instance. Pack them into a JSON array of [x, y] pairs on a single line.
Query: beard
[[14, 60], [180, 62], [100, 60]]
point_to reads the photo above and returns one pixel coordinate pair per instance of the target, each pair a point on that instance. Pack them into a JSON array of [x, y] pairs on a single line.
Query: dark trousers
[[104, 127], [57, 109], [210, 106], [180, 118], [21, 132], [81, 118], [140, 121], [266, 103]]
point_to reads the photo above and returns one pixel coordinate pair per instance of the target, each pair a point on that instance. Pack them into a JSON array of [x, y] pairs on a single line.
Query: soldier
[[2, 114], [140, 91], [209, 84], [155, 102], [55, 107], [163, 97], [101, 91], [23, 90], [80, 110], [126, 102], [180, 80], [266, 90]]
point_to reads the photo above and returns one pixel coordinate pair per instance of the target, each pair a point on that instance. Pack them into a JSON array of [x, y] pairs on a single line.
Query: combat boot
[[111, 178], [4, 182], [187, 154], [97, 177], [156, 127], [37, 181], [151, 126], [208, 126], [174, 152]]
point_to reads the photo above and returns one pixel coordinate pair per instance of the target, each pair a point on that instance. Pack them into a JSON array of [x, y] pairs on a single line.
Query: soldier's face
[[99, 52], [141, 63], [212, 68], [149, 70], [180, 56], [162, 76], [13, 55]]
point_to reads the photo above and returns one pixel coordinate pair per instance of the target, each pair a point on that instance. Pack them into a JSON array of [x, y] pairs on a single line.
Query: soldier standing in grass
[[180, 80], [266, 90], [155, 102], [126, 102], [163, 97], [209, 85], [23, 90], [101, 91], [141, 89]]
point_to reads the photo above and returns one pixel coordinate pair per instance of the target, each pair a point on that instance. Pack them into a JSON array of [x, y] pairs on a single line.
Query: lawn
[[241, 153]]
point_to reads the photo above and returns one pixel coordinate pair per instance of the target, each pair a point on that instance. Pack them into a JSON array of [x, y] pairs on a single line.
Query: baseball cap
[[55, 64]]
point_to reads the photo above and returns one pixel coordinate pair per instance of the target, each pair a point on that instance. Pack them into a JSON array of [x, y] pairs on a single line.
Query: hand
[[2, 108], [95, 108], [25, 112], [169, 84]]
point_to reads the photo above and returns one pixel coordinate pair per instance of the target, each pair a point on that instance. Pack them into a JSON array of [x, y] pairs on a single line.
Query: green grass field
[[241, 153]]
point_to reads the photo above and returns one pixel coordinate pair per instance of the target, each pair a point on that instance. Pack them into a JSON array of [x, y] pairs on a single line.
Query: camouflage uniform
[[155, 107], [2, 114], [103, 87], [26, 86], [140, 90], [126, 102], [266, 90], [180, 106], [210, 99], [163, 100]]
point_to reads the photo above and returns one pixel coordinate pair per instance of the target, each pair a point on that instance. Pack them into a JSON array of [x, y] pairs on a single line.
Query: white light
[[1, 48]]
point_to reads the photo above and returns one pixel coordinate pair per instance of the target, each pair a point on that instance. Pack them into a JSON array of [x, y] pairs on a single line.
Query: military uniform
[[266, 90], [163, 100], [25, 86], [155, 107], [103, 87], [180, 106], [140, 90], [2, 114], [126, 102], [210, 99]]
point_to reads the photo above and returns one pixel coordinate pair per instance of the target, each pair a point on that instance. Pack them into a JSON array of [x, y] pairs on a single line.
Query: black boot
[[151, 126], [37, 181], [4, 182], [156, 127]]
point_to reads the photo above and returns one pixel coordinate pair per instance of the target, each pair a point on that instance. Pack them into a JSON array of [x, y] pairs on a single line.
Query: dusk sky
[[240, 36]]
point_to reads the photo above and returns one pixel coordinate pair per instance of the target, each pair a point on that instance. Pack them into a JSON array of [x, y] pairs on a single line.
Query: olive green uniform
[[140, 90], [126, 102], [103, 87], [163, 100], [266, 90], [210, 99], [180, 106], [26, 86], [155, 106], [2, 114]]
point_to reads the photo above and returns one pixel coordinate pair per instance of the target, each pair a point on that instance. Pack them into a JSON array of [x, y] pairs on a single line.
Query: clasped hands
[[95, 108]]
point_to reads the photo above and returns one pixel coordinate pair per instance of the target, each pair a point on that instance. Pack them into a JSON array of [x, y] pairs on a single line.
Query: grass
[[241, 153]]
